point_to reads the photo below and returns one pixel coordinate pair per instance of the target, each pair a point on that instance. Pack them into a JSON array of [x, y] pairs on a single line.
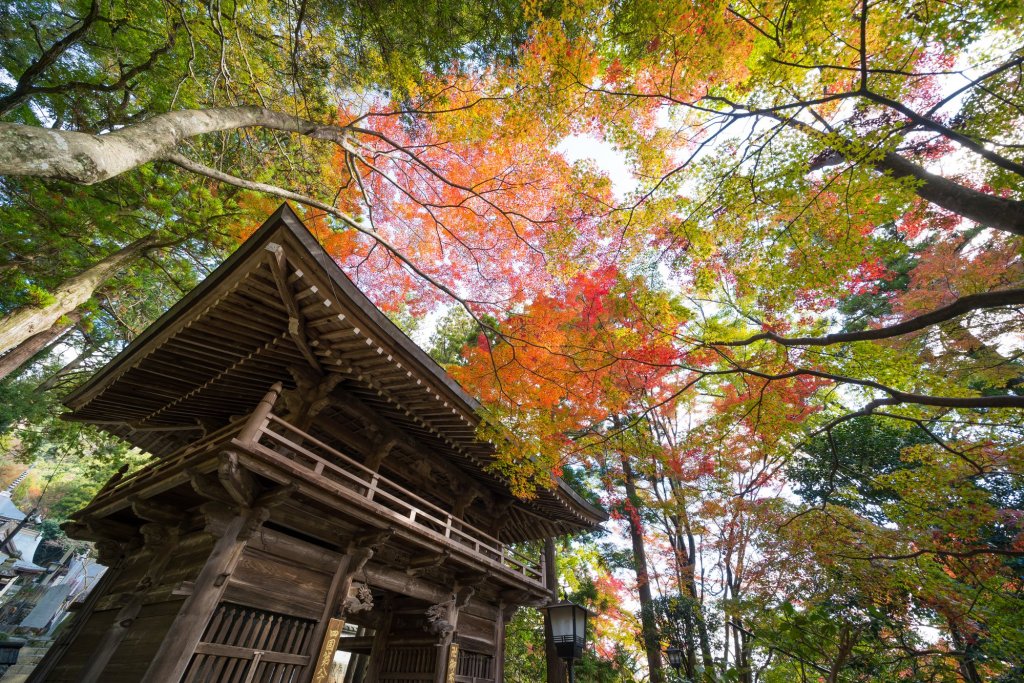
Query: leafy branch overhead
[[748, 270]]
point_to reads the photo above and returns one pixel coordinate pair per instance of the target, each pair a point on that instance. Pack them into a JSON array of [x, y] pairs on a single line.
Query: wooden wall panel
[[80, 651], [477, 628], [132, 658], [409, 664], [265, 581]]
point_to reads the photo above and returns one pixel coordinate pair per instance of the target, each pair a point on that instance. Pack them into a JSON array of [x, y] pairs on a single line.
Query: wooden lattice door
[[474, 667], [408, 664], [247, 645]]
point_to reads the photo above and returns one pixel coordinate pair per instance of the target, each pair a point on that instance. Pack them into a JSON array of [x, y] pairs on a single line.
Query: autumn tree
[[793, 350]]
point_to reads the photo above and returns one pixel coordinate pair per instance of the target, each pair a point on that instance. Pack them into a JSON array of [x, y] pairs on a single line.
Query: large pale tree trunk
[[86, 159], [23, 323], [14, 359]]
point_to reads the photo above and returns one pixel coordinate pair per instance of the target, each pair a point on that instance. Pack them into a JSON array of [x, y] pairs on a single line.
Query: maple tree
[[789, 359]]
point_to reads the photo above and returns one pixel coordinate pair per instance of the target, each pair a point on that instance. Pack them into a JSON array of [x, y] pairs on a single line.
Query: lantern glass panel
[[580, 616], [568, 629]]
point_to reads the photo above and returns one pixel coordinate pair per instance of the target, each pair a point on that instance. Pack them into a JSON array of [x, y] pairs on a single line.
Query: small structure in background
[[34, 600], [675, 658], [19, 538], [318, 487]]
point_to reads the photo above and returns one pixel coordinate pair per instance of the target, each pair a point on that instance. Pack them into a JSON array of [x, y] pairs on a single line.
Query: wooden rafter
[[296, 327]]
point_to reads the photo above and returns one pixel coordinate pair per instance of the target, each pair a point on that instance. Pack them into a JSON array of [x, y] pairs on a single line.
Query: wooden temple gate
[[313, 470]]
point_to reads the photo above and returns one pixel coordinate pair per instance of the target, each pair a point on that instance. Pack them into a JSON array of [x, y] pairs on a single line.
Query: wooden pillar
[[500, 517], [444, 619], [380, 451], [377, 650], [322, 666], [498, 670], [233, 532], [326, 633], [338, 602], [161, 543], [261, 416]]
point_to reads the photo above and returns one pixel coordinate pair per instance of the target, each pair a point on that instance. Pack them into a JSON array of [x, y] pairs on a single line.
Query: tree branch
[[965, 304], [46, 59]]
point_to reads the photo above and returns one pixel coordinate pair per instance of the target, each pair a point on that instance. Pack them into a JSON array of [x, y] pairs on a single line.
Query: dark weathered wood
[[173, 656], [70, 632], [236, 481], [417, 565], [296, 327], [499, 644], [154, 511], [380, 643], [160, 546], [208, 487]]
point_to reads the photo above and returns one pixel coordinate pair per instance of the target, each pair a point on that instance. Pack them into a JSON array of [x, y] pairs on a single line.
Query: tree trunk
[[995, 212], [651, 637], [87, 159], [23, 323], [21, 354], [986, 209], [685, 546], [968, 669]]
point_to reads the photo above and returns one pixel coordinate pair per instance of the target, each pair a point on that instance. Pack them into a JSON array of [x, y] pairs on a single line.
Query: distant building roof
[[26, 566], [8, 510]]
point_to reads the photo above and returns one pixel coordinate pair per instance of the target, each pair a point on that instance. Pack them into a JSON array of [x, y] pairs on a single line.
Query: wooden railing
[[326, 462], [268, 436], [158, 470]]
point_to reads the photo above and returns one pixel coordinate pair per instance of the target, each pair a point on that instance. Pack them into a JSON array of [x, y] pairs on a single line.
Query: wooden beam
[[236, 480], [277, 496], [372, 539], [296, 322], [158, 551], [176, 650], [208, 487], [418, 565], [398, 581], [152, 511]]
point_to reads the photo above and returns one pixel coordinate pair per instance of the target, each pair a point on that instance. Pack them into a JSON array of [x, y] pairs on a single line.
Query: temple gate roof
[[281, 303]]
